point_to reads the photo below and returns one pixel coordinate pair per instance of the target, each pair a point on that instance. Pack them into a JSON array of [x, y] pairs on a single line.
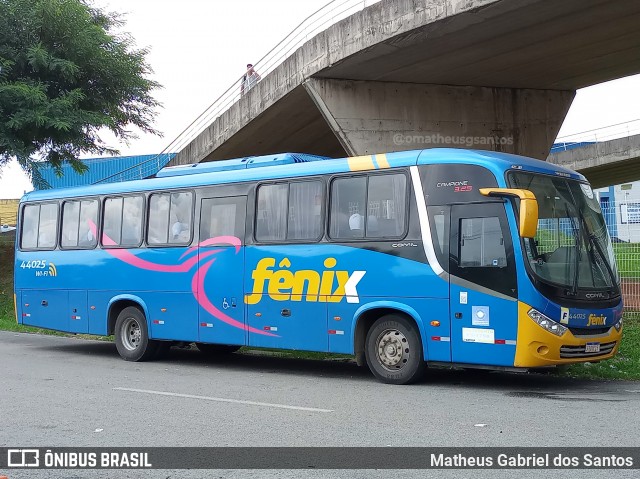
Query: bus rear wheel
[[394, 350], [216, 349], [132, 336]]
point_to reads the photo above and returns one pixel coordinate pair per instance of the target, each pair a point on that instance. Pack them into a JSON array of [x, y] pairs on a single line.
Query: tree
[[64, 75]]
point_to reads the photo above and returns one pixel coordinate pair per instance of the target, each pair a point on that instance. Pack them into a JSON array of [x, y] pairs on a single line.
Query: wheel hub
[[132, 334], [393, 349]]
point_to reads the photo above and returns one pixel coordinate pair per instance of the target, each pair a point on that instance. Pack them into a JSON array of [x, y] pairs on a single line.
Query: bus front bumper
[[537, 347]]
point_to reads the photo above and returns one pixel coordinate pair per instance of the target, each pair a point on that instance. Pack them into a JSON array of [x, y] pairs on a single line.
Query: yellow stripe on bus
[[359, 163], [382, 161]]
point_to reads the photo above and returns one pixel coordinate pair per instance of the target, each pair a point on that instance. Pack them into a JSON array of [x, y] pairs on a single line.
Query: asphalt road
[[67, 392]]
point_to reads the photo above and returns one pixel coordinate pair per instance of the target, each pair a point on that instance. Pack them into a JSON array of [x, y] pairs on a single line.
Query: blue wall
[[101, 168]]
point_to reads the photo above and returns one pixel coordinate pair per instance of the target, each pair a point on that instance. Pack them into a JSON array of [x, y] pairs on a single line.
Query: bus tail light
[[547, 323]]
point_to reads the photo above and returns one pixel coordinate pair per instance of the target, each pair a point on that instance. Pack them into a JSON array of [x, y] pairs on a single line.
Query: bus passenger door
[[483, 286], [219, 288]]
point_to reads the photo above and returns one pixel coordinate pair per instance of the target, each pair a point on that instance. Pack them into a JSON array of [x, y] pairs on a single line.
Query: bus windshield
[[572, 248]]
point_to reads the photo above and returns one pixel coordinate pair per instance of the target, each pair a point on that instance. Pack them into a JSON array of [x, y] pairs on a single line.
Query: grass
[[626, 365], [628, 259], [7, 312]]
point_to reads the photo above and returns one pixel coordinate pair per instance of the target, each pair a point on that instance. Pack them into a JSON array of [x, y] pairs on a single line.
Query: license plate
[[592, 348]]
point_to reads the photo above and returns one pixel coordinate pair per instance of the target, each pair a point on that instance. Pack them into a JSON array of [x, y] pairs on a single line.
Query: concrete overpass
[[502, 72], [604, 163]]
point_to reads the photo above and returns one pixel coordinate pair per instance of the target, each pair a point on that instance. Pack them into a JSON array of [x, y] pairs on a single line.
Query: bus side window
[[88, 217], [77, 220], [290, 211], [369, 206], [132, 221], [480, 249], [158, 219], [180, 218], [222, 217], [48, 226], [271, 216], [305, 210], [386, 204], [122, 221], [170, 218], [348, 197], [439, 223], [112, 222], [30, 220], [481, 243], [70, 221]]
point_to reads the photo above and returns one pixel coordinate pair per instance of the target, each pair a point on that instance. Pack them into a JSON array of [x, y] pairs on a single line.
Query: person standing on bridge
[[249, 80]]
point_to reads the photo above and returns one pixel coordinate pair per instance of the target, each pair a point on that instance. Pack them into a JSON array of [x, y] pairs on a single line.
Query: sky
[[200, 47]]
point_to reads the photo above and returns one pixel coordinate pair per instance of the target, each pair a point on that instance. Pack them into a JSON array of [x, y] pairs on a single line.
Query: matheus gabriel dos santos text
[[530, 461]]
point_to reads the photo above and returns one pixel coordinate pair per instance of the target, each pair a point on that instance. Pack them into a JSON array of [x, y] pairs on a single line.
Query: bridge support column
[[369, 117]]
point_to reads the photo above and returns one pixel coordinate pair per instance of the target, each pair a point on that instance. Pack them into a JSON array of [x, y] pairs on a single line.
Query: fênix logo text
[[595, 320], [283, 284]]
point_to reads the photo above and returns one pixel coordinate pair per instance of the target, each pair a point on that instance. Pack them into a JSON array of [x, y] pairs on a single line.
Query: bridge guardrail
[[598, 135], [318, 21]]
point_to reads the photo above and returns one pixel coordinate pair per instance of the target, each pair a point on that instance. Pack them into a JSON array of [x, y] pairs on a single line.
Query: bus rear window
[[39, 226]]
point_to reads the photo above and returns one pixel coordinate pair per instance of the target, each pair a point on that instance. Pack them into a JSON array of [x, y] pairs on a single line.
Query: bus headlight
[[618, 325], [547, 323]]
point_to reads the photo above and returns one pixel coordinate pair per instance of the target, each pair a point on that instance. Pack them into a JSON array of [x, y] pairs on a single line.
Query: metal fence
[[554, 234], [318, 21], [598, 135]]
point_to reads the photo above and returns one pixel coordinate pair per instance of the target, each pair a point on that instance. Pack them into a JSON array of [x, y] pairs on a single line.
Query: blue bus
[[404, 260]]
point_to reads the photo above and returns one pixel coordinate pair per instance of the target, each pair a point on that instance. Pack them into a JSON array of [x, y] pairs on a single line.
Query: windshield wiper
[[594, 243], [576, 253]]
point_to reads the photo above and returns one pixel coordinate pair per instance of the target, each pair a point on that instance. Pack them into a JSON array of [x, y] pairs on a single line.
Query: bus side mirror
[[528, 207]]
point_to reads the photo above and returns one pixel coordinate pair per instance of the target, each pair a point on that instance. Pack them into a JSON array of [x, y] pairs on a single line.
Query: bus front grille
[[570, 352], [589, 331]]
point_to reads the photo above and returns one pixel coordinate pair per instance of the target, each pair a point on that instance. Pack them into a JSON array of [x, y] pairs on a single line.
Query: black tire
[[132, 336], [394, 350], [213, 350]]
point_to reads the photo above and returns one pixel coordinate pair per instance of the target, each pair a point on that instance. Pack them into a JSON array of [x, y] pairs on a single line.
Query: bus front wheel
[[132, 336], [394, 351]]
